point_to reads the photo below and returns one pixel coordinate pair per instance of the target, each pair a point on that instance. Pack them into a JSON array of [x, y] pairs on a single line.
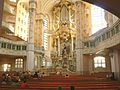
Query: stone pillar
[[30, 47], [79, 38], [38, 57], [115, 66], [72, 40]]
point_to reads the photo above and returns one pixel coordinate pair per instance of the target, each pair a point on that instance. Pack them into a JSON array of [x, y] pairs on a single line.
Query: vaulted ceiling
[[110, 5]]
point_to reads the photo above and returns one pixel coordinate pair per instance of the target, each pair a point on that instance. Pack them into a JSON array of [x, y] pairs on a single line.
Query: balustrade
[[108, 38]]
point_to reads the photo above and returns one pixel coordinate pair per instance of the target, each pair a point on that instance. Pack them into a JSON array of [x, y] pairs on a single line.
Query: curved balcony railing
[[39, 50], [9, 27], [9, 9], [107, 38], [9, 18], [15, 48]]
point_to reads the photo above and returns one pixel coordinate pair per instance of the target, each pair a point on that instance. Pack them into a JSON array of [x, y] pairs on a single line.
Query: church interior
[[59, 45]]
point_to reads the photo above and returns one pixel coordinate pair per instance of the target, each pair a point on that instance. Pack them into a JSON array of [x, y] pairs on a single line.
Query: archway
[[109, 5]]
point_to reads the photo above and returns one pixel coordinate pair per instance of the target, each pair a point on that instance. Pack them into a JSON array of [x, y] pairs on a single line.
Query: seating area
[[59, 82]]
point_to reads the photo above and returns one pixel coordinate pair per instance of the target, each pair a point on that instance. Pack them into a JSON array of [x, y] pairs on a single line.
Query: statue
[[66, 49]]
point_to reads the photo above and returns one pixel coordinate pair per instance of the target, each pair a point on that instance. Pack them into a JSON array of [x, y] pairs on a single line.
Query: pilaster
[[115, 67]]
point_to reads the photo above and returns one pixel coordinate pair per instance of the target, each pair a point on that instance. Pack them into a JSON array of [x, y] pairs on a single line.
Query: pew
[[80, 82]]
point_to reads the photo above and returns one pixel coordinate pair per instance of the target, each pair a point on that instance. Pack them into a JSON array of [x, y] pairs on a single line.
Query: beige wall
[[1, 11], [89, 64], [11, 60], [22, 26], [119, 61], [7, 60]]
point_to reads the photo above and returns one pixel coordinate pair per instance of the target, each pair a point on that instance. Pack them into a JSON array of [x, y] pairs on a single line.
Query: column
[[41, 37], [79, 38], [58, 46], [115, 66], [38, 62], [42, 32], [30, 47]]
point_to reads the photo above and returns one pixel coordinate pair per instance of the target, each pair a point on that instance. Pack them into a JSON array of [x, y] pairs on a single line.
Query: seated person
[[43, 74], [35, 75], [66, 75], [24, 85]]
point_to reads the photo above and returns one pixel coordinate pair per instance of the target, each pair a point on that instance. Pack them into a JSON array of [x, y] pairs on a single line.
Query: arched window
[[99, 61], [6, 67], [45, 37], [19, 63]]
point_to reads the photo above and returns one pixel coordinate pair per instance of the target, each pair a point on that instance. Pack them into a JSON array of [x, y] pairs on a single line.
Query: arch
[[1, 11], [109, 5]]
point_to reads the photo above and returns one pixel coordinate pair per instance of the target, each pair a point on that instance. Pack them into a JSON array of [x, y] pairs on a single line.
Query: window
[[3, 45], [22, 13], [117, 28], [36, 62], [98, 19], [23, 47], [23, 6], [86, 44], [108, 34], [19, 11], [21, 29], [19, 63], [45, 24], [112, 32], [103, 37], [18, 47], [99, 61], [18, 18], [22, 21], [9, 46], [18, 27], [6, 67], [13, 47], [92, 44]]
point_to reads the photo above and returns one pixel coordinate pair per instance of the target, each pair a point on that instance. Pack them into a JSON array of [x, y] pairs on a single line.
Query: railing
[[108, 38], [8, 26], [39, 50], [16, 48], [10, 18]]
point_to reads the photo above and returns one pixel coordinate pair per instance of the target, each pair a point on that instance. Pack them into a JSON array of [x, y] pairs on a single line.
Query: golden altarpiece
[[63, 53]]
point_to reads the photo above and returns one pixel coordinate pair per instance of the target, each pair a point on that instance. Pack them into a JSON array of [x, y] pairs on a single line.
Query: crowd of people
[[18, 79], [21, 78]]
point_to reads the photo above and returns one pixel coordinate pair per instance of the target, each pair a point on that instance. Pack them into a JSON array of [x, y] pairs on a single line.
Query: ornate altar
[[63, 53]]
